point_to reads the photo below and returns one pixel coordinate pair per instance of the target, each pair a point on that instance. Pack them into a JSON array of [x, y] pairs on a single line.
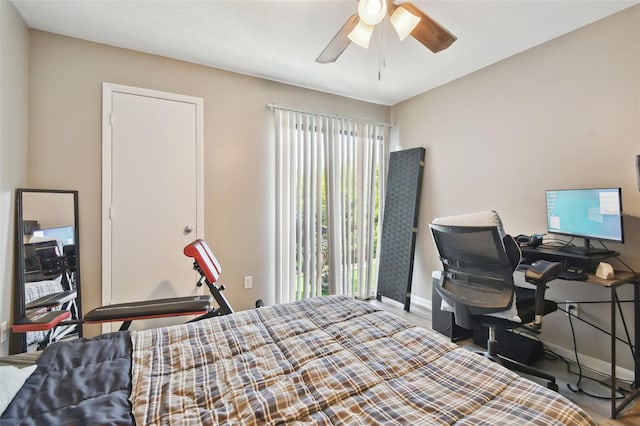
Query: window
[[330, 185]]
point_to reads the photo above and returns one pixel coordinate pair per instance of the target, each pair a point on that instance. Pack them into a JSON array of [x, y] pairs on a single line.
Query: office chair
[[477, 284]]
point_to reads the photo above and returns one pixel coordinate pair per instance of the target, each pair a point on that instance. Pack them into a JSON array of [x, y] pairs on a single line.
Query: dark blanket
[[80, 382]]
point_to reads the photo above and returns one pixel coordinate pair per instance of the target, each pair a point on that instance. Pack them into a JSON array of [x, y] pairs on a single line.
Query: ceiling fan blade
[[339, 42], [428, 32]]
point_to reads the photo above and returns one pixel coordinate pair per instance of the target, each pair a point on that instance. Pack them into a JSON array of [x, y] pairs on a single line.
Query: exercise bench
[[204, 262]]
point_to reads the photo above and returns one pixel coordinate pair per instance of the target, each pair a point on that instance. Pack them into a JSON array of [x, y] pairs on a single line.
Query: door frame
[[108, 89]]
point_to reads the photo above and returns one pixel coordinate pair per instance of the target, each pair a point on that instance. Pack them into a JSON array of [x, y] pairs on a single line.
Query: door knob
[[188, 229]]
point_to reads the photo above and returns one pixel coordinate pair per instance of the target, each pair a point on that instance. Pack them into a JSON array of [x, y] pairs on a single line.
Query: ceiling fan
[[405, 18]]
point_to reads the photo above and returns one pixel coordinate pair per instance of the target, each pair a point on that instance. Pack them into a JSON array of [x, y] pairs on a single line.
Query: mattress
[[332, 360]]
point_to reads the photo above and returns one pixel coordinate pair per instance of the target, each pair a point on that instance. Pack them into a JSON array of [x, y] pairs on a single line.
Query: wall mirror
[[47, 262]]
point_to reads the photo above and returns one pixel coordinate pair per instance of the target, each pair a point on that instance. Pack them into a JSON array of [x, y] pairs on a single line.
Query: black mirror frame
[[18, 341]]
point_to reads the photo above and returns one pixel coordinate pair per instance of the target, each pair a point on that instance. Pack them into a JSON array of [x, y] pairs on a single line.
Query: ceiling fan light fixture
[[372, 12], [404, 22], [361, 34]]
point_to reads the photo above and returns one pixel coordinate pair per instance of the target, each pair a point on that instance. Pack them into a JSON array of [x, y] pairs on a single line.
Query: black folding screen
[[400, 225]]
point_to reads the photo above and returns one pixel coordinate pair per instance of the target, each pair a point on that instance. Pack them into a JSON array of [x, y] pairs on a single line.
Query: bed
[[331, 360]]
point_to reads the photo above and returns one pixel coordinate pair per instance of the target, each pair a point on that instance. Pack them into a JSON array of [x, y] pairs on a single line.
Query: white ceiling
[[279, 40]]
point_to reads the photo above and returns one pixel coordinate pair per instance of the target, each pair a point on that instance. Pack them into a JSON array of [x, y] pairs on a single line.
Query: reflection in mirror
[[47, 264]]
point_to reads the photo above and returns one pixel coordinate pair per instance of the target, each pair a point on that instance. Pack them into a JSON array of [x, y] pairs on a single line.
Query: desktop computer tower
[[442, 321]]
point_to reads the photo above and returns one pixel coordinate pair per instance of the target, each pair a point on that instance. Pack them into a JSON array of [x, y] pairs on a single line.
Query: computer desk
[[621, 278]]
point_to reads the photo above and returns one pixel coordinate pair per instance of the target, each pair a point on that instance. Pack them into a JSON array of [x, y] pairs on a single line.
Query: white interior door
[[152, 195]]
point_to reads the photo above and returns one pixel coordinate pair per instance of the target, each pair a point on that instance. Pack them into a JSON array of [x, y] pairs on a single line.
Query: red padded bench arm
[[206, 263], [40, 321], [203, 256]]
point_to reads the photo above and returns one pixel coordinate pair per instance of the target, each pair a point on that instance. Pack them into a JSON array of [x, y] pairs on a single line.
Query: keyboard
[[572, 276], [591, 252]]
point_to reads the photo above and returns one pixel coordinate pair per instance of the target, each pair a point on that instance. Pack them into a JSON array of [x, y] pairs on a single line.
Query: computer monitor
[[594, 213], [65, 234]]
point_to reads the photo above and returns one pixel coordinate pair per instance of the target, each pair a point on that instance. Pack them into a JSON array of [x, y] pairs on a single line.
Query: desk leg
[[636, 334], [614, 384], [615, 410]]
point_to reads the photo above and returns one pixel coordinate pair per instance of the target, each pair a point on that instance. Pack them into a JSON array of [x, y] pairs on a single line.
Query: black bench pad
[[52, 300], [176, 306]]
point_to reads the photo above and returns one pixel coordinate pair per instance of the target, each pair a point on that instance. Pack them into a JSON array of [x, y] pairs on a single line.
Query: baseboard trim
[[421, 304], [418, 304], [597, 365]]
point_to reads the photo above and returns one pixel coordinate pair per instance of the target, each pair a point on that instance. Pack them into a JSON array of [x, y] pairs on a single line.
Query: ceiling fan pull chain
[[381, 52]]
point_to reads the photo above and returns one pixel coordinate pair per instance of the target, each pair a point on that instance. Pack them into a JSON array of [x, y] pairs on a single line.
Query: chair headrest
[[203, 256], [482, 218]]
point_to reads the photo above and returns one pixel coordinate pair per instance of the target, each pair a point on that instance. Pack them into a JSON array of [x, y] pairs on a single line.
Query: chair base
[[527, 369], [492, 354], [517, 347]]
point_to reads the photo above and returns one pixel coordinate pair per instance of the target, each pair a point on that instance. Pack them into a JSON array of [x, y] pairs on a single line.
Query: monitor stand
[[587, 250]]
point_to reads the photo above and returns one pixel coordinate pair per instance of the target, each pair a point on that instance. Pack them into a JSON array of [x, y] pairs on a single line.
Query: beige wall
[[66, 77], [51, 210], [565, 114], [14, 47]]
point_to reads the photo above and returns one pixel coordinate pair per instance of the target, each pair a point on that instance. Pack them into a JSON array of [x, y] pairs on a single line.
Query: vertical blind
[[329, 186]]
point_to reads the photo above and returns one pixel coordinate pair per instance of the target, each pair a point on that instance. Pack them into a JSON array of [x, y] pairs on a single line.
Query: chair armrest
[[540, 273]]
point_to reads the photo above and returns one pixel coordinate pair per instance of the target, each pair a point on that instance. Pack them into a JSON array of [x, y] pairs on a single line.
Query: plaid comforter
[[332, 360]]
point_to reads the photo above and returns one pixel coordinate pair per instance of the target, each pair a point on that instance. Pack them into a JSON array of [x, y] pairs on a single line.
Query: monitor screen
[[65, 234], [586, 213]]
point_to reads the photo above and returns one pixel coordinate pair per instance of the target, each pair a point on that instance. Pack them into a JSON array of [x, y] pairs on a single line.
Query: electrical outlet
[[3, 332], [572, 307], [248, 281]]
